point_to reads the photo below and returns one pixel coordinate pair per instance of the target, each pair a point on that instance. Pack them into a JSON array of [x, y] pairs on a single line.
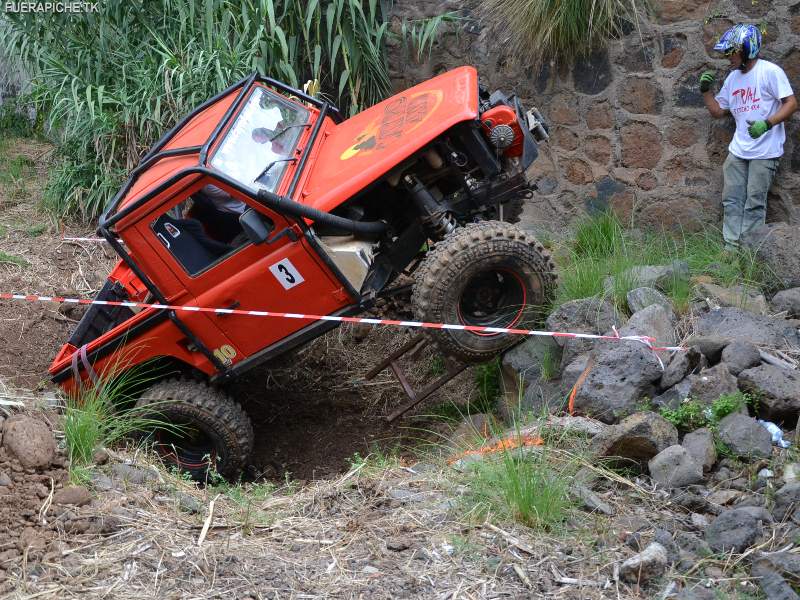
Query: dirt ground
[[311, 411]]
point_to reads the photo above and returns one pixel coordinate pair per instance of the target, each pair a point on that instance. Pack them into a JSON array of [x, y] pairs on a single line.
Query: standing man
[[758, 95]]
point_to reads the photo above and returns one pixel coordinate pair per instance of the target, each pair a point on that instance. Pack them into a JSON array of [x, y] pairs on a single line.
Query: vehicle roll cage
[[110, 217]]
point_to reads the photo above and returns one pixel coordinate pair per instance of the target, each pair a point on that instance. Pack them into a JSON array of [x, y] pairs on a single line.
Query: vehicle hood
[[361, 149]]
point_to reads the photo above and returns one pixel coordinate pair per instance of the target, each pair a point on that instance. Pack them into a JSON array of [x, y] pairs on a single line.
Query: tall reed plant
[[112, 82]]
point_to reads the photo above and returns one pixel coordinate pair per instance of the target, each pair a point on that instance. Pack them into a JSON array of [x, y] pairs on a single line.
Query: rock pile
[[719, 465]]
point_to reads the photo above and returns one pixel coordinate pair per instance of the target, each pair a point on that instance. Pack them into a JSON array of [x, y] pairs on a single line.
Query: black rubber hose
[[284, 205]]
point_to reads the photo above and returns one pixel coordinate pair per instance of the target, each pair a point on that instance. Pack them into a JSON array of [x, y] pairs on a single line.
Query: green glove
[[706, 81], [758, 128]]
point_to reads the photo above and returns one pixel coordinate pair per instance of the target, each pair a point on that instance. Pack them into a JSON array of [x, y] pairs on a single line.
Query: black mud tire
[[221, 432], [492, 256]]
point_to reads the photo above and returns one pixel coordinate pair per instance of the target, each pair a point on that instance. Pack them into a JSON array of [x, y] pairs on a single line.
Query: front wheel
[[489, 274], [197, 428]]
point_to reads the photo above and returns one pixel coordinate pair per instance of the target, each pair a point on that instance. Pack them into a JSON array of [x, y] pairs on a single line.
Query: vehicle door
[[281, 274]]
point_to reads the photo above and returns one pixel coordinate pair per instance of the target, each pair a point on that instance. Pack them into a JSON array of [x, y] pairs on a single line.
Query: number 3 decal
[[286, 274]]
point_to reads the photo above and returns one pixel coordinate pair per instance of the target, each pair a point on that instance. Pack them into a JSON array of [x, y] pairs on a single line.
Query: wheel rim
[[191, 448], [492, 298]]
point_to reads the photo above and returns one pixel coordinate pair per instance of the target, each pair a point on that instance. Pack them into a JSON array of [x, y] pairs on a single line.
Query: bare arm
[[788, 106], [714, 108]]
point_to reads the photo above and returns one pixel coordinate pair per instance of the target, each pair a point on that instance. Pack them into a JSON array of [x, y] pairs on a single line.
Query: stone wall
[[628, 124]]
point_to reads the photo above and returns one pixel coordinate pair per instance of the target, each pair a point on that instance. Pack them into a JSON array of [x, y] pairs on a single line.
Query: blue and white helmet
[[746, 38]]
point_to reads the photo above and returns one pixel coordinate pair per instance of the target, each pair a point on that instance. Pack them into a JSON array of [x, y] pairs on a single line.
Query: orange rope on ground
[[508, 443]]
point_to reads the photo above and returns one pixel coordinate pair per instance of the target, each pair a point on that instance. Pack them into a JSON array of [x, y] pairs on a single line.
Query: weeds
[[13, 122], [603, 249], [692, 414], [488, 380], [598, 236], [11, 259], [520, 485], [560, 31], [98, 416], [550, 365]]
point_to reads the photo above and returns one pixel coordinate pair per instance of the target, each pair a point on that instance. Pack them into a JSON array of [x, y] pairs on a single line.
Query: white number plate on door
[[286, 273]]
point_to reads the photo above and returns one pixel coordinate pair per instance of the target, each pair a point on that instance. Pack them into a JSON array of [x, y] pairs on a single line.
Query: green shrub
[[550, 365], [692, 414], [689, 415], [559, 30]]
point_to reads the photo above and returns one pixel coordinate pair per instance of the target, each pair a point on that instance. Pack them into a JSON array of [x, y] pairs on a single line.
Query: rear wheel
[[490, 274], [204, 428]]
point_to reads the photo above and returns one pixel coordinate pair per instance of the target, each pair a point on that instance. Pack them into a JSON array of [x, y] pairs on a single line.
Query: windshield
[[260, 145]]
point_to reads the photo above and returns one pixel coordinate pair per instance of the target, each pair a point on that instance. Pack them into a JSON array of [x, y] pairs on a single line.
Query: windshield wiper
[[287, 128], [270, 165]]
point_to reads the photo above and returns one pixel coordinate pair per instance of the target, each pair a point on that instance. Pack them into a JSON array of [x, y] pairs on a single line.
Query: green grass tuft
[[561, 30], [598, 236], [11, 259], [602, 248], [521, 486], [102, 415]]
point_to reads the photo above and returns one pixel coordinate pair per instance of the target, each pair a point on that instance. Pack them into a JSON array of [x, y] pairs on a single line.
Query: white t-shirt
[[754, 96]]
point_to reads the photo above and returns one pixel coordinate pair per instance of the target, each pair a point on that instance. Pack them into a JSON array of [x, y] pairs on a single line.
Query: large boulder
[[777, 391], [29, 440], [526, 370], [736, 324], [710, 384], [705, 386], [675, 467], [787, 301], [586, 315], [745, 436], [777, 245], [621, 375], [637, 438], [741, 296], [662, 277], [700, 445], [740, 355], [736, 529], [681, 365], [643, 297], [710, 346], [787, 501], [656, 321], [672, 398]]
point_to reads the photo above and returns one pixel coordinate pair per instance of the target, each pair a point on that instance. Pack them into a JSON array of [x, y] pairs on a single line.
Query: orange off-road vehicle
[[265, 198]]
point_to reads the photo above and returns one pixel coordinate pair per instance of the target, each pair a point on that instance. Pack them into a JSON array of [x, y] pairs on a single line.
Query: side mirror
[[256, 226]]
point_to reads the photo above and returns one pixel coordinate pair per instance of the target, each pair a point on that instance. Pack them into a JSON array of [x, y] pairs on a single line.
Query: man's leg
[[759, 179], [734, 196]]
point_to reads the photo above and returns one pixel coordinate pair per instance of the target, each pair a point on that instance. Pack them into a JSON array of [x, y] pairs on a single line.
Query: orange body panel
[[358, 151], [504, 115]]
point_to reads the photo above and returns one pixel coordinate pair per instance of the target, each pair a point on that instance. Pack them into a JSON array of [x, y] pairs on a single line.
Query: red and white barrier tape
[[642, 339]]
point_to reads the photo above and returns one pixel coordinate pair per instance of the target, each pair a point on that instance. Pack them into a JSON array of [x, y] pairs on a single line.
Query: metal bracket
[[413, 348]]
